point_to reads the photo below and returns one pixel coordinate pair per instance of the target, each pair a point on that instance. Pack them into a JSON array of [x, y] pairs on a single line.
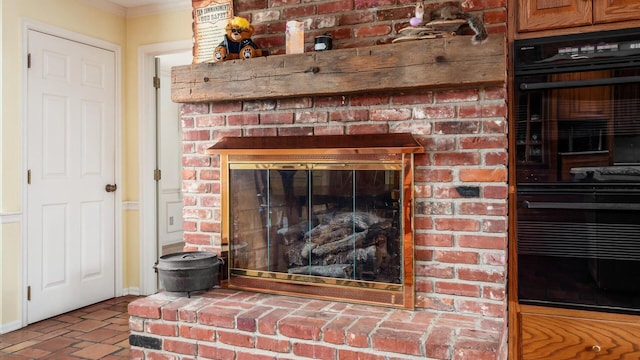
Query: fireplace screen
[[325, 222]]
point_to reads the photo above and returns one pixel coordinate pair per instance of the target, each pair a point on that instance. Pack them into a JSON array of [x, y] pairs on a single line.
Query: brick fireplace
[[459, 212]]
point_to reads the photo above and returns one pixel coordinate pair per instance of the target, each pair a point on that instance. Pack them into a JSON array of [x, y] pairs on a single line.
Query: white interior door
[[71, 158], [157, 124], [169, 155]]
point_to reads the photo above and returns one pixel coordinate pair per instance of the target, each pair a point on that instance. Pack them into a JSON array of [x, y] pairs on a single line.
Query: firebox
[[321, 216]]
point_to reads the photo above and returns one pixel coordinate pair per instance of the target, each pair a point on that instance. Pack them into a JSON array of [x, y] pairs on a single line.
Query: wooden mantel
[[432, 63]]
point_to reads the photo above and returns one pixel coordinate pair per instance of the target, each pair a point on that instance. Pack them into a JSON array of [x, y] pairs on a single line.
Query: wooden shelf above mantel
[[432, 63]]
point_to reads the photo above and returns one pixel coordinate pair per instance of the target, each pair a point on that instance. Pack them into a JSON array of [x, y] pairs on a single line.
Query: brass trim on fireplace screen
[[327, 217]]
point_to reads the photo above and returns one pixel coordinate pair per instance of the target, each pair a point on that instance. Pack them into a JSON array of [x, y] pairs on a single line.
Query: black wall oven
[[577, 148]]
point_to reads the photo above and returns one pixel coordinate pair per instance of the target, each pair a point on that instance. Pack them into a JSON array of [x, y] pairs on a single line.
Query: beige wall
[[79, 17], [147, 30]]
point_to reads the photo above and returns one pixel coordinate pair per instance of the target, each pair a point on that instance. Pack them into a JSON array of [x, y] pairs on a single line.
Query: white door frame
[[28, 24], [147, 160]]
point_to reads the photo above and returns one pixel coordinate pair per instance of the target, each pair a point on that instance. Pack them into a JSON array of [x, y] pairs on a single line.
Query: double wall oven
[[577, 144]]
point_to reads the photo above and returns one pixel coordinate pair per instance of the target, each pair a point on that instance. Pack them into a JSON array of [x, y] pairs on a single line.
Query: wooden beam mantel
[[432, 63]]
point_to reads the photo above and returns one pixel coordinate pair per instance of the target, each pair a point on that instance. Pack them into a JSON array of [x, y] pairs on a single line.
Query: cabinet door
[[558, 337], [552, 14], [615, 10], [592, 102]]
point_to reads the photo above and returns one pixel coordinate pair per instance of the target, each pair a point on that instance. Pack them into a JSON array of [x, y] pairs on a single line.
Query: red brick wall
[[460, 210], [460, 180], [352, 23]]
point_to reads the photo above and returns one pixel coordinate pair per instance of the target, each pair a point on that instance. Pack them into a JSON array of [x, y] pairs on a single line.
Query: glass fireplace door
[[327, 217], [316, 223]]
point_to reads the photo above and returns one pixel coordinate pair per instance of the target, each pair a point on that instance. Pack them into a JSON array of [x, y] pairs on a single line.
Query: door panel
[[615, 10], [552, 14], [71, 157], [53, 122], [53, 245]]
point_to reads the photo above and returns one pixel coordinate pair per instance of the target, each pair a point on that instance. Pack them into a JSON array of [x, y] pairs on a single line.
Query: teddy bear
[[237, 43]]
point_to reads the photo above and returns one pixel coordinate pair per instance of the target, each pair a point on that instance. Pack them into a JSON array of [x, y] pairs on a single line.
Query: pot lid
[[188, 256]]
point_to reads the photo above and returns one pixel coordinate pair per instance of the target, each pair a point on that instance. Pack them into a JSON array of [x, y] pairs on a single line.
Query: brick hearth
[[226, 324]]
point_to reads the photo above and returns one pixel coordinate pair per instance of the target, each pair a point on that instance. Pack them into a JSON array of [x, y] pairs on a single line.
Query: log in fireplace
[[323, 216]]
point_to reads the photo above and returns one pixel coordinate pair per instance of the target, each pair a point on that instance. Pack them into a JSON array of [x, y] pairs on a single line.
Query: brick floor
[[99, 331]]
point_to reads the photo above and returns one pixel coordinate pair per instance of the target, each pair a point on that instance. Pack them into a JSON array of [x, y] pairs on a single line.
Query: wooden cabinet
[[535, 15], [578, 335]]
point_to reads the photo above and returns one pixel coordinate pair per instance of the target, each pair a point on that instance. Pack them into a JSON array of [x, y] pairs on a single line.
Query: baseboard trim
[[131, 291], [9, 327]]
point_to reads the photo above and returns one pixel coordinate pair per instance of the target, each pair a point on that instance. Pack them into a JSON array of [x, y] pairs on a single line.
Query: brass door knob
[[596, 348], [111, 187]]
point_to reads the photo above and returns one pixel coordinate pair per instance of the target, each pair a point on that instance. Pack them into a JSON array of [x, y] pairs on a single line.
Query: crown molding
[[152, 9], [143, 10], [108, 6]]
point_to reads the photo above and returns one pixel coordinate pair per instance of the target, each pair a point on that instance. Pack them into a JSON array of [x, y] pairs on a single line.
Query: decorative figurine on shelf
[[418, 19], [237, 43], [451, 12], [442, 21]]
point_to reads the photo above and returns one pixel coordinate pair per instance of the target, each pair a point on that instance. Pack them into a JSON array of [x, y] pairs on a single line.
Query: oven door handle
[[580, 206], [579, 83]]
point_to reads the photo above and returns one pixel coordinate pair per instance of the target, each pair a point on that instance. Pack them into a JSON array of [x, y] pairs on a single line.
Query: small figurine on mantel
[[444, 21], [237, 43]]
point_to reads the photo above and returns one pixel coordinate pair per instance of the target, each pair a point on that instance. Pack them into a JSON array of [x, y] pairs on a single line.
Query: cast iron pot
[[188, 271]]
